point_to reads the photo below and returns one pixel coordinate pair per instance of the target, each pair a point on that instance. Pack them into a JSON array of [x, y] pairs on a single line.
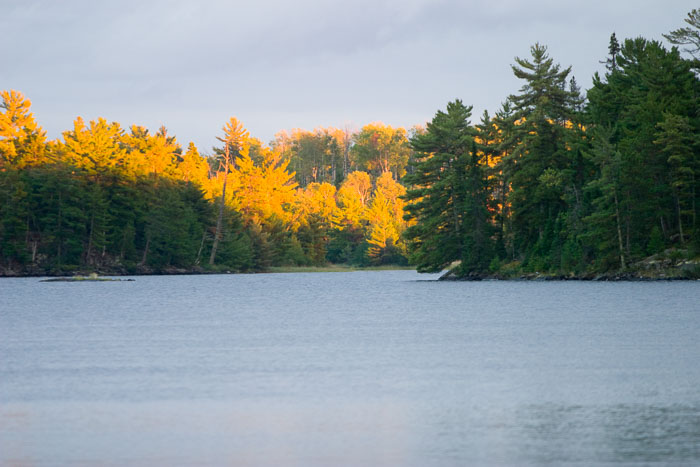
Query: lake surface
[[358, 368]]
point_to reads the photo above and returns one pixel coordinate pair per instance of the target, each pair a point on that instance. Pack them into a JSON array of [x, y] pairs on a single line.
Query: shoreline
[[445, 277], [106, 272], [602, 277]]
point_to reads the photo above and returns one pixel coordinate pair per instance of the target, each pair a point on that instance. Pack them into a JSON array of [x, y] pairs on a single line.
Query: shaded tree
[[447, 198]]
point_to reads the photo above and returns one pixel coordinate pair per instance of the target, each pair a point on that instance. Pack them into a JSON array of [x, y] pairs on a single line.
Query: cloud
[[278, 64]]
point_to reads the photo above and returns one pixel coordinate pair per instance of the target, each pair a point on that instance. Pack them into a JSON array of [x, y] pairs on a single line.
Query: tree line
[[557, 180], [109, 199]]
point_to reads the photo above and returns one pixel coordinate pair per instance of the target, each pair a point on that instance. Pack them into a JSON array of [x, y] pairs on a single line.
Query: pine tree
[[606, 225], [96, 148], [235, 142], [505, 146], [22, 141], [542, 115], [613, 52], [648, 108], [447, 198], [689, 36], [676, 140]]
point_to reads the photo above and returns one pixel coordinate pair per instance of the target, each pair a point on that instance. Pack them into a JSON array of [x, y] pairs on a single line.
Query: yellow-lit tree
[[193, 167], [154, 155], [353, 197], [265, 190], [96, 147], [235, 141], [316, 209], [380, 148], [385, 216], [22, 141]]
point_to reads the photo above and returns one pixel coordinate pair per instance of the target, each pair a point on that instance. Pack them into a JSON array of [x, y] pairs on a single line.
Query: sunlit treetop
[[21, 139]]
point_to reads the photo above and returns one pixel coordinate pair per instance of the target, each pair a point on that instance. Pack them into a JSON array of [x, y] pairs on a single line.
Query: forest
[[558, 180]]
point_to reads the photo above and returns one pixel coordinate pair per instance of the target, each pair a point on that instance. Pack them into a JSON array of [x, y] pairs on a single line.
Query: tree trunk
[[680, 220], [623, 265], [627, 226], [346, 152], [220, 218], [663, 226], [334, 174], [58, 231], [88, 254], [145, 250], [201, 247], [695, 232]]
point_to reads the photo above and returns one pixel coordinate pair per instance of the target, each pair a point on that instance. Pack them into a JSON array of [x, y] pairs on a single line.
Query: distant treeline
[[556, 181]]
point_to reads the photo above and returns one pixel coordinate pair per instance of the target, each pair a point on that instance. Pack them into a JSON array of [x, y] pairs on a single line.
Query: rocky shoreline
[[607, 277], [670, 265]]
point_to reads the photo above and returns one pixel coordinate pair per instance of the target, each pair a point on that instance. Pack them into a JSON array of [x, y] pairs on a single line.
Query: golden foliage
[[193, 168], [151, 154], [316, 201], [259, 183], [262, 191], [95, 147], [385, 215], [353, 197], [22, 141]]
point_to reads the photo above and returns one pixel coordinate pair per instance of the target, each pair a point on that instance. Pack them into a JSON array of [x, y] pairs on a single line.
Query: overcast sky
[[275, 64]]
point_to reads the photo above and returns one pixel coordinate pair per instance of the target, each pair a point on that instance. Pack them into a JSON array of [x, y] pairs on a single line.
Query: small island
[[91, 278]]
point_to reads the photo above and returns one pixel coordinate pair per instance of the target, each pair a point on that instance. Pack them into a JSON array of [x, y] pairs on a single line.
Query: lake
[[358, 368]]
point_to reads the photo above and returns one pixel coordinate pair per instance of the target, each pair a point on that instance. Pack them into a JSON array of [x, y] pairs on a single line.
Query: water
[[360, 368]]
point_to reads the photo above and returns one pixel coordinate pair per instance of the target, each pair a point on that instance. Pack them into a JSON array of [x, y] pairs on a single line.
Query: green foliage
[[347, 245], [57, 218], [313, 236], [645, 151], [449, 196], [656, 241], [540, 168], [688, 36]]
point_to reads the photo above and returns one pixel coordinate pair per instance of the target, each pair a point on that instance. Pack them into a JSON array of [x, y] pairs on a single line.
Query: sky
[[279, 64]]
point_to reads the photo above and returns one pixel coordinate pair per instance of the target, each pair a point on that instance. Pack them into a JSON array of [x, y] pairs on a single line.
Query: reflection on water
[[348, 369]]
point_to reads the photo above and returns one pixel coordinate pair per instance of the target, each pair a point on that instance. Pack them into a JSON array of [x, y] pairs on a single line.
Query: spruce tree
[[613, 52]]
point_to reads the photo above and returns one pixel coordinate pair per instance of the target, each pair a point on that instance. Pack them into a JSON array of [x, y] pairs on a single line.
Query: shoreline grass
[[335, 268]]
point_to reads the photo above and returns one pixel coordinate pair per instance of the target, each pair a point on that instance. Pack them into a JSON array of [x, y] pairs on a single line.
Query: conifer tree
[[235, 142], [644, 105], [689, 35], [448, 196], [606, 225], [542, 114], [22, 141], [505, 145], [96, 148], [677, 140], [613, 52]]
